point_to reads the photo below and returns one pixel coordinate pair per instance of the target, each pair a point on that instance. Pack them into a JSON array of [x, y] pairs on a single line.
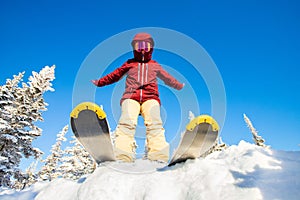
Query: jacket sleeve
[[168, 79], [114, 76]]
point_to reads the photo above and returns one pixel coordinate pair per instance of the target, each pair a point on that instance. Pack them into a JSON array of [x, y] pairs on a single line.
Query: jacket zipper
[[146, 73], [142, 82], [139, 72]]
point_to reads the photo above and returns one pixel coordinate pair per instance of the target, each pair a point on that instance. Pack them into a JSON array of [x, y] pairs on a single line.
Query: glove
[[181, 86], [95, 82]]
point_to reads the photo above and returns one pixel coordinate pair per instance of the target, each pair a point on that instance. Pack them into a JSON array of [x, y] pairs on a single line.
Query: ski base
[[90, 127], [199, 136]]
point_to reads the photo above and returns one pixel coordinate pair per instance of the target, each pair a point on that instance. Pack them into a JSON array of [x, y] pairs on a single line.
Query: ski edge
[[88, 106], [203, 119]]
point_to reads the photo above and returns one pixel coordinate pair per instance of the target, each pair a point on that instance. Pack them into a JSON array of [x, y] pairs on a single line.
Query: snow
[[244, 171]]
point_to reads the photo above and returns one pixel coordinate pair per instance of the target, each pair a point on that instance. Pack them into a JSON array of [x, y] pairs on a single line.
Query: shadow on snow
[[281, 183]]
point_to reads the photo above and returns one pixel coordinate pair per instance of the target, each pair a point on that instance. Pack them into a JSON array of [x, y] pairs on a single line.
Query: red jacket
[[141, 80]]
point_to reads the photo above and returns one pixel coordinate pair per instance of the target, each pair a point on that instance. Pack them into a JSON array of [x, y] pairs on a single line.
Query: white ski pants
[[157, 147]]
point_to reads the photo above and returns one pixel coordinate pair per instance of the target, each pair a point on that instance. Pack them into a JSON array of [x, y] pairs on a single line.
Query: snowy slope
[[243, 172]]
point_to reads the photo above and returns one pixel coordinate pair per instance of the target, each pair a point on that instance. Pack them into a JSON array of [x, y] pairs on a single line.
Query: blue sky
[[254, 44]]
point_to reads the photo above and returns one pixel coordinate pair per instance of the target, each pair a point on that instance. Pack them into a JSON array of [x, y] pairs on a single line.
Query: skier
[[141, 96]]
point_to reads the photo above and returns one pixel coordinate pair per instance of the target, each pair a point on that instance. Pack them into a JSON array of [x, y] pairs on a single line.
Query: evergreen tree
[[51, 170], [77, 161], [219, 145], [28, 178], [259, 141], [20, 107]]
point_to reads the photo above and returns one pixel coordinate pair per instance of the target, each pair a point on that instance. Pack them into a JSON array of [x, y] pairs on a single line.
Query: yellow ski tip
[[203, 119], [88, 106]]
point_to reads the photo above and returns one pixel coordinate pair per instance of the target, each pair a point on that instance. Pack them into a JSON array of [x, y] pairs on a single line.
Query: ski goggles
[[142, 46]]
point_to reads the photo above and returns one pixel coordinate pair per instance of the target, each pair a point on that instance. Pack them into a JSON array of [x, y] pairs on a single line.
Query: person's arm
[[112, 77], [168, 79]]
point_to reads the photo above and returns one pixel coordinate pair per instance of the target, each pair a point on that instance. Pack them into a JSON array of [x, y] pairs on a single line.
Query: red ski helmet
[[142, 44]]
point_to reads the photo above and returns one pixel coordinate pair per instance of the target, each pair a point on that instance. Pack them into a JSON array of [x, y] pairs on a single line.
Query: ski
[[199, 136], [90, 127]]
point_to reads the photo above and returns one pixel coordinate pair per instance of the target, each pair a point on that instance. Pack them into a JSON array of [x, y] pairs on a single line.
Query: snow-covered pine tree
[[77, 161], [219, 145], [191, 115], [259, 141], [50, 170], [20, 108], [28, 178]]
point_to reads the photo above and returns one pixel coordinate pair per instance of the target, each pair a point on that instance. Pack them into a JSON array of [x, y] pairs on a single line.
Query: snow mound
[[243, 172]]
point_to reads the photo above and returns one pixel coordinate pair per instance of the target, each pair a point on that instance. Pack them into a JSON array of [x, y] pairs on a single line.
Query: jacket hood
[[139, 56]]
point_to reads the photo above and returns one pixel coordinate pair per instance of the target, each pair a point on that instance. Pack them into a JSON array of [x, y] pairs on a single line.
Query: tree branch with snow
[[21, 105], [259, 141], [76, 161], [50, 170]]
